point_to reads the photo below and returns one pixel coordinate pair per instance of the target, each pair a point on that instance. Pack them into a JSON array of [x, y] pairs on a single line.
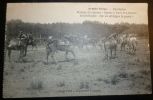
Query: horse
[[100, 43], [110, 47], [123, 41], [32, 42], [129, 42], [16, 44], [75, 41], [132, 44], [90, 42], [55, 46]]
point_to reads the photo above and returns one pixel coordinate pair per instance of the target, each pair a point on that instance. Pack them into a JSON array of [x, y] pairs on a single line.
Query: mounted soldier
[[30, 38], [31, 41], [55, 45], [22, 35], [110, 46], [19, 44], [50, 40]]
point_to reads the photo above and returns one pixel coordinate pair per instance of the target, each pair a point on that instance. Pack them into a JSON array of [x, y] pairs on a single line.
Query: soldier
[[22, 35], [30, 37], [50, 40]]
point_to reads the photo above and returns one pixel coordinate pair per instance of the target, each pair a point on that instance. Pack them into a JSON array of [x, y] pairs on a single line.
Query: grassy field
[[90, 74]]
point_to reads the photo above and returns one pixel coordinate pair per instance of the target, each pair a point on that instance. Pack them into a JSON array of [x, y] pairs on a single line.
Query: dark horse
[[53, 47], [17, 44], [32, 42]]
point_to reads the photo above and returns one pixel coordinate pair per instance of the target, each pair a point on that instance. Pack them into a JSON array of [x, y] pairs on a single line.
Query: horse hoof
[[54, 63], [67, 60], [45, 63], [76, 62]]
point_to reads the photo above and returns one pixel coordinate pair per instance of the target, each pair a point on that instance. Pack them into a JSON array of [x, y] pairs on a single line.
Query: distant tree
[[92, 29]]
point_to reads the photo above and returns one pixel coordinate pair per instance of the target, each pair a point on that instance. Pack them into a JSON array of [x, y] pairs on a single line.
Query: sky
[[77, 12]]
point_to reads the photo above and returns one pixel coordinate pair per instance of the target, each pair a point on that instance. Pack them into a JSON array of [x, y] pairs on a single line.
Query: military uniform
[[22, 36]]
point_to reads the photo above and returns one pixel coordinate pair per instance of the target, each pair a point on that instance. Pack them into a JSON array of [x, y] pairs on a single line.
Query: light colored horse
[[128, 41], [132, 44], [16, 44], [122, 41], [110, 47], [55, 46]]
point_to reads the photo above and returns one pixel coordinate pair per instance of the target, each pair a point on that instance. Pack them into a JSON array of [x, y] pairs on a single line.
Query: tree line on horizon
[[92, 29]]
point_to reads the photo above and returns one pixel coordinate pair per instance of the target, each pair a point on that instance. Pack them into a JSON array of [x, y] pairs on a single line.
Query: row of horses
[[125, 42], [108, 44]]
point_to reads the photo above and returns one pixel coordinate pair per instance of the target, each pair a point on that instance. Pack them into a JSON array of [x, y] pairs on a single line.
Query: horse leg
[[73, 53], [47, 55], [36, 46], [106, 52], [134, 49], [26, 47], [121, 46], [32, 46], [52, 55], [66, 54], [115, 52], [101, 47], [107, 55], [9, 54], [129, 48], [21, 54], [111, 53], [124, 46]]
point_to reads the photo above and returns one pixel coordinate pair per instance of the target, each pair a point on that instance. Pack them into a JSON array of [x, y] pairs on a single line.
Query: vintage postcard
[[76, 49]]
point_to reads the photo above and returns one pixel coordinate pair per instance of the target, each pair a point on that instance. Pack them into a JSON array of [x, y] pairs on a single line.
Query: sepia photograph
[[76, 49]]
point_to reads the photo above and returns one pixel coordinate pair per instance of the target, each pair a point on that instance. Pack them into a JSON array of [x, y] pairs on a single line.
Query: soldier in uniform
[[22, 35], [50, 40], [30, 37]]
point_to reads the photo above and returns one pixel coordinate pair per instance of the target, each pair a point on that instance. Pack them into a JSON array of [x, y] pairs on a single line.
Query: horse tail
[[104, 46]]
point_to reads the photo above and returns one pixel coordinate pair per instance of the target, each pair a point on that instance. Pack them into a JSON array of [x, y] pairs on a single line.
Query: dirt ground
[[89, 74]]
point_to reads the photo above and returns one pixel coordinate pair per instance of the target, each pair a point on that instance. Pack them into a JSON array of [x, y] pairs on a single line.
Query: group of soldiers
[[125, 38], [128, 40], [109, 43], [125, 41], [23, 35]]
